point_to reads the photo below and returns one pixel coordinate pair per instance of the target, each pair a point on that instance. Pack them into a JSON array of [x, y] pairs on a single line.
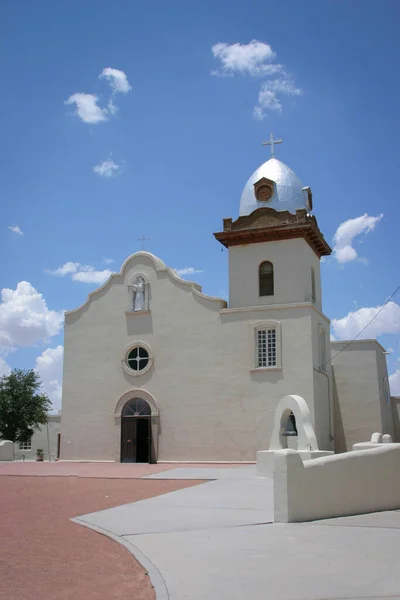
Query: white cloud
[[108, 261], [270, 93], [388, 321], [5, 368], [112, 108], [254, 58], [267, 100], [87, 108], [106, 168], [90, 275], [117, 79], [343, 249], [79, 272], [66, 269], [87, 105], [394, 382], [25, 318], [49, 366], [16, 229], [257, 60], [187, 271]]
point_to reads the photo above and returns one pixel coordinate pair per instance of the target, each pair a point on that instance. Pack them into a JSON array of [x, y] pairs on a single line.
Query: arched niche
[[139, 293], [306, 438]]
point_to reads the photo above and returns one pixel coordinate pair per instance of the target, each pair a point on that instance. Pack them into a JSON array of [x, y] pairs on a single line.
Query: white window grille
[[26, 446], [266, 347]]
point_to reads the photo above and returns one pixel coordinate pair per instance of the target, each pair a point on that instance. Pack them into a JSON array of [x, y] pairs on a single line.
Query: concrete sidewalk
[[216, 540]]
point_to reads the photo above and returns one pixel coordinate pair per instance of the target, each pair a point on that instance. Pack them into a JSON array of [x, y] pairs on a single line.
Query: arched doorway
[[136, 431]]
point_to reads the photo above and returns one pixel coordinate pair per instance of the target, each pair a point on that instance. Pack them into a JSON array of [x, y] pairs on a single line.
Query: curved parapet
[[158, 266]]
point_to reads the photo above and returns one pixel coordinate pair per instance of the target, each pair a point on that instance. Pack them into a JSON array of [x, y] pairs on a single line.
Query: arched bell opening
[[288, 431]]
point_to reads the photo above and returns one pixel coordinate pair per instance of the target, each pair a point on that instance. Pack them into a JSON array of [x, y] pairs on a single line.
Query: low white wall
[[265, 459], [346, 484]]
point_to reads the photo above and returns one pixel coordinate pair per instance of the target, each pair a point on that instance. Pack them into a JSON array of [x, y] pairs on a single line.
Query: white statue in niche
[[139, 288]]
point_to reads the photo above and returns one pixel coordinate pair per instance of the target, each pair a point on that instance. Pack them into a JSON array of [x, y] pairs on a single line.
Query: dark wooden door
[[143, 440], [135, 439], [128, 441]]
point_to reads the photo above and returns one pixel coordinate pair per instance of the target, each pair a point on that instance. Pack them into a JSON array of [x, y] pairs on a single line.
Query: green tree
[[22, 407]]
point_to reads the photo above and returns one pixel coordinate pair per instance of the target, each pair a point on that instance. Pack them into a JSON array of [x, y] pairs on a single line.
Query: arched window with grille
[[136, 408], [266, 278]]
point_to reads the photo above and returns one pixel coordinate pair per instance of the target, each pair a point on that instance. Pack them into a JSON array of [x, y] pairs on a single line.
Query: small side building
[[44, 438], [361, 396]]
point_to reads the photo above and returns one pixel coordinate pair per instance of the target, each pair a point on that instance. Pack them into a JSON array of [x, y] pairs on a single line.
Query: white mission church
[[155, 370]]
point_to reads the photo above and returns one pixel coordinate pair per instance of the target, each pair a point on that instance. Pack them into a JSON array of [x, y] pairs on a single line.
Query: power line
[[363, 329]]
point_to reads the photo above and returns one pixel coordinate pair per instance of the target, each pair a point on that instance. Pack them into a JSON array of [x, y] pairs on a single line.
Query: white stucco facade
[[204, 392], [211, 402]]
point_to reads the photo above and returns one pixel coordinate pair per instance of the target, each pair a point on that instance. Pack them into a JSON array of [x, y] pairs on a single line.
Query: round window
[[138, 358], [264, 192]]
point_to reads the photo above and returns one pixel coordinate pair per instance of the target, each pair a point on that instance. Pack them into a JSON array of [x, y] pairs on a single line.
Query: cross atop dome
[[272, 143]]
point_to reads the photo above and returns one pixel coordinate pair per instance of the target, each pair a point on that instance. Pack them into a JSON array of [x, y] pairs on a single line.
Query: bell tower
[[275, 245]]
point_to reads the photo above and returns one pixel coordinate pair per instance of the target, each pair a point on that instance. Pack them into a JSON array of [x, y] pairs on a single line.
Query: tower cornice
[[267, 225]]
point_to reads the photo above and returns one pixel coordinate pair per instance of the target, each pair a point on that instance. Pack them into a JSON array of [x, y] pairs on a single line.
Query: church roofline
[[159, 266], [352, 343]]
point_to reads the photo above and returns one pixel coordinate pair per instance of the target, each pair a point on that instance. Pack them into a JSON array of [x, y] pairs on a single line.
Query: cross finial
[[142, 241], [272, 143]]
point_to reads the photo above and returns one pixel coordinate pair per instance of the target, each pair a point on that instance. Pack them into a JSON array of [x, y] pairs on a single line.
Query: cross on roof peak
[[143, 239], [272, 143]]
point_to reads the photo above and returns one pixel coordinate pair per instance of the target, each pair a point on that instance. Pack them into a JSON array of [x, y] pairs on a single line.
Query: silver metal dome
[[289, 193]]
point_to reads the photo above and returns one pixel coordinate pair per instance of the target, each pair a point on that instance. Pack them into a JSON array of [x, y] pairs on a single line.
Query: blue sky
[[181, 143]]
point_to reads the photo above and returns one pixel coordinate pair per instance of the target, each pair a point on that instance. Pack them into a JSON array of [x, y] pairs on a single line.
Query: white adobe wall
[[360, 404], [395, 401], [322, 408], [345, 484], [212, 404], [292, 260], [386, 406]]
